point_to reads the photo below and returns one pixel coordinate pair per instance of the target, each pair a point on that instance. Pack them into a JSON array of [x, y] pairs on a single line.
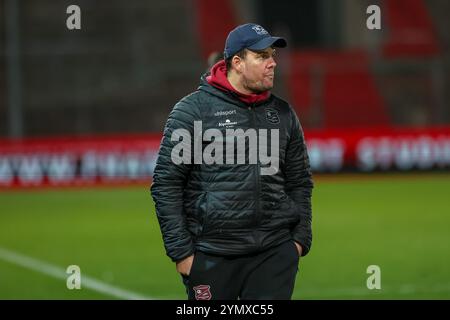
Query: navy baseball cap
[[250, 36]]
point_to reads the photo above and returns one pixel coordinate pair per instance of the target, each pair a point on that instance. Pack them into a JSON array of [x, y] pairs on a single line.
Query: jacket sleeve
[[299, 183], [169, 180]]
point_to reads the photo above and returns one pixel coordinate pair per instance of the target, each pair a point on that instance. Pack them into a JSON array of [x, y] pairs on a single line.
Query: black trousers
[[269, 275]]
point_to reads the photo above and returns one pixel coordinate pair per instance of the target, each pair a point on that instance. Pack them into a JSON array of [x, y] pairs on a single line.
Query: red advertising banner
[[77, 161], [379, 149], [120, 160]]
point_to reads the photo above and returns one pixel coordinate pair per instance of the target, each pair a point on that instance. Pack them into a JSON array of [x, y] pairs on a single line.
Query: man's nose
[[272, 64]]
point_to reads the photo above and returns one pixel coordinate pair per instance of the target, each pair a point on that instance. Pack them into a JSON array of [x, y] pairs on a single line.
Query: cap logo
[[260, 30]]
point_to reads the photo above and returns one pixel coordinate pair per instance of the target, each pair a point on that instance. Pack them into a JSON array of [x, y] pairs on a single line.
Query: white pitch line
[[60, 273], [102, 287]]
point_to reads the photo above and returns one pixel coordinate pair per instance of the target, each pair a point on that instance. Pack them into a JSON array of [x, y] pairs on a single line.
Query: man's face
[[258, 70]]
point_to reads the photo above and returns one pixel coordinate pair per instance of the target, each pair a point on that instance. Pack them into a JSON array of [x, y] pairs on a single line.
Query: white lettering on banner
[[326, 155], [111, 166], [88, 168], [130, 165], [6, 172], [30, 170], [441, 149], [64, 168], [387, 153], [149, 163], [61, 168]]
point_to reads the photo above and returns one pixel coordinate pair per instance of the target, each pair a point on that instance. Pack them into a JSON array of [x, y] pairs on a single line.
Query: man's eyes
[[267, 56]]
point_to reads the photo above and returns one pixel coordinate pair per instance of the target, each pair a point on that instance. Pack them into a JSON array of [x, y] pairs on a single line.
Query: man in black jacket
[[235, 218]]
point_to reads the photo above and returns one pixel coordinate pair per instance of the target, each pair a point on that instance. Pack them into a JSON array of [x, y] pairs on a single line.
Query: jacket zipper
[[257, 177]]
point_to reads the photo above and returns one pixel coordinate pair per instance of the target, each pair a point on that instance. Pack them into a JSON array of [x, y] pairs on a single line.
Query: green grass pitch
[[400, 224]]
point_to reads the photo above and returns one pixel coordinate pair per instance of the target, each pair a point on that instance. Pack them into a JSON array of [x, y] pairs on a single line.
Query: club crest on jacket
[[202, 292], [272, 116]]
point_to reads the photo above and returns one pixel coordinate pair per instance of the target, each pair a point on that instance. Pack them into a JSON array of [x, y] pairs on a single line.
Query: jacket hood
[[216, 79]]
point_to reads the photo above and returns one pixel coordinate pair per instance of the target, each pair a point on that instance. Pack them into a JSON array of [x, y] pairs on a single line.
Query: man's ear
[[237, 63]]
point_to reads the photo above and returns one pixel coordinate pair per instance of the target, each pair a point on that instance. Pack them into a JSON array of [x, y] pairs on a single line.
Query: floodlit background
[[82, 113]]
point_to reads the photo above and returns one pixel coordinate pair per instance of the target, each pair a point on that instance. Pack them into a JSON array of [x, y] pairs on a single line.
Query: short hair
[[241, 54]]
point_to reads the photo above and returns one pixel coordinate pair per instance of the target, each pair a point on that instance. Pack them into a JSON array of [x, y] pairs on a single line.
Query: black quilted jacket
[[232, 209]]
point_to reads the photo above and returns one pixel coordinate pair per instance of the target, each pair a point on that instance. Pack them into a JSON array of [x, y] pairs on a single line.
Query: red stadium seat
[[339, 85], [410, 30]]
